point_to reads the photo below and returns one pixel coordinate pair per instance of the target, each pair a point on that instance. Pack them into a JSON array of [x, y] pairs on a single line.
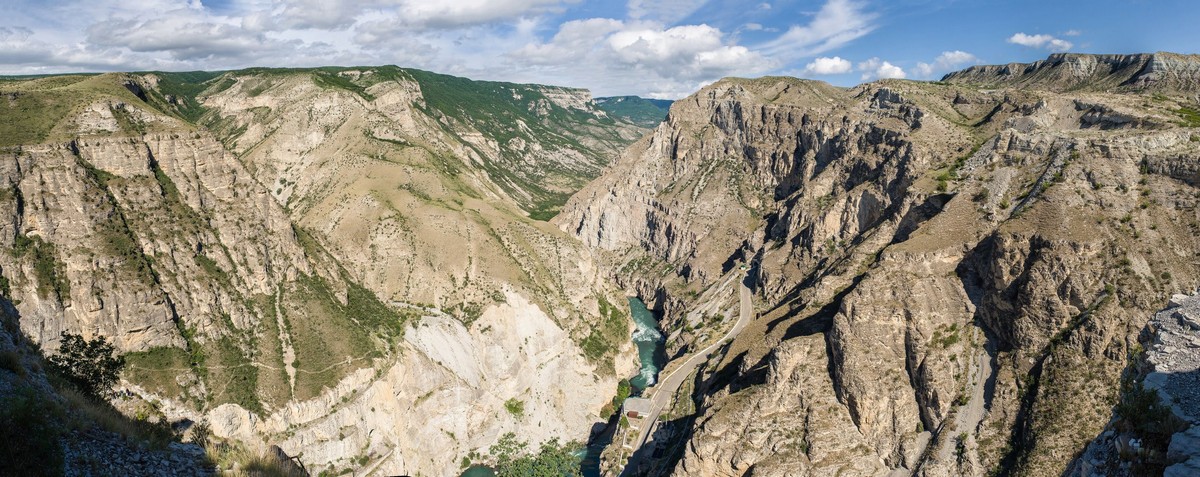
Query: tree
[[89, 365], [552, 460]]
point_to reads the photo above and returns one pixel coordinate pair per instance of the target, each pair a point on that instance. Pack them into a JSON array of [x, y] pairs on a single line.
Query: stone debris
[[95, 452]]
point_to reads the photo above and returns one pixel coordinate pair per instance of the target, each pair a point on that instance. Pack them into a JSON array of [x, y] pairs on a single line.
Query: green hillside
[[643, 112]]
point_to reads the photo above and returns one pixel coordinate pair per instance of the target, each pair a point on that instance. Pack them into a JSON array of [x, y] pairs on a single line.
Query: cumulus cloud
[[945, 62], [1040, 41], [836, 24], [828, 66], [669, 61], [875, 68]]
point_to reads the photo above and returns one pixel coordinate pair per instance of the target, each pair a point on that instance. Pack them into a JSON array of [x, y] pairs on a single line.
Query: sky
[[662, 49]]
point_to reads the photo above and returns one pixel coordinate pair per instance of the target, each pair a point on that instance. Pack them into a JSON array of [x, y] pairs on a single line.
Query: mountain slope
[[948, 277], [302, 260], [644, 112]]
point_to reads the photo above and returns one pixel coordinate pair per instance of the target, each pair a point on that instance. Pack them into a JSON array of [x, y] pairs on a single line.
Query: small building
[[635, 407]]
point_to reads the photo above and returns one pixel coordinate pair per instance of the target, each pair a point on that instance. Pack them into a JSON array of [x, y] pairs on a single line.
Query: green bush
[[516, 407], [90, 366]]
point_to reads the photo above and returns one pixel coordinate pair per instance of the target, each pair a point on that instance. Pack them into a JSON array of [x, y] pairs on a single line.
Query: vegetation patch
[[233, 377], [1142, 414], [1190, 116], [29, 116], [329, 337], [47, 269], [606, 337], [156, 369]]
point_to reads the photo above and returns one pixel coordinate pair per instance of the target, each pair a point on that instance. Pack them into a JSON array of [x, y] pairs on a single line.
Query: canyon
[[390, 269]]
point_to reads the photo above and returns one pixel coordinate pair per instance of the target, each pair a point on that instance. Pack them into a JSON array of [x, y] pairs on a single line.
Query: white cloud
[[471, 12], [1072, 33], [664, 11], [828, 66], [945, 62], [1040, 41], [181, 37], [666, 62], [837, 23], [875, 68], [647, 53]]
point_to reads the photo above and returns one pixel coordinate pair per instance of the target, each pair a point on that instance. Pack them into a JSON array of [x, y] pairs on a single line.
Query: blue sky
[[665, 48]]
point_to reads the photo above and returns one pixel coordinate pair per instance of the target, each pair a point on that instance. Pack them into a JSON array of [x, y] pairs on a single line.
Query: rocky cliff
[[338, 261], [948, 277]]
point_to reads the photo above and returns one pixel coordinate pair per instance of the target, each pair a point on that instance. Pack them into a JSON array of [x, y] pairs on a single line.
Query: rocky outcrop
[[960, 271]]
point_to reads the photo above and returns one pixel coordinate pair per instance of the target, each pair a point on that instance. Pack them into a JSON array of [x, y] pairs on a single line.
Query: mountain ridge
[[1161, 71]]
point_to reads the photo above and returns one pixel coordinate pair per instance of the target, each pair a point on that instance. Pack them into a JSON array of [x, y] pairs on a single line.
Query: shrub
[[200, 433], [516, 407], [88, 365]]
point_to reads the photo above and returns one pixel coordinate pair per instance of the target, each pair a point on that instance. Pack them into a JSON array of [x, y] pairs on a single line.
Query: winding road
[[666, 388]]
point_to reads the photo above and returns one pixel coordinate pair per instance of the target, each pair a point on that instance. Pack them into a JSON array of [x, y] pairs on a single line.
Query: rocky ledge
[[1171, 370], [1174, 357]]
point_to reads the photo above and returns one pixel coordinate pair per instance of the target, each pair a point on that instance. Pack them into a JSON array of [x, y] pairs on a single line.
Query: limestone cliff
[[948, 277]]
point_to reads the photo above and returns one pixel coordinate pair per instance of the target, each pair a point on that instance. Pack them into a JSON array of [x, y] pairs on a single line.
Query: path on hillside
[[665, 390]]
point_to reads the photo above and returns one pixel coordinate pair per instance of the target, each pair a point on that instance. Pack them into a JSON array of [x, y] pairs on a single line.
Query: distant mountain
[[1161, 72], [637, 110]]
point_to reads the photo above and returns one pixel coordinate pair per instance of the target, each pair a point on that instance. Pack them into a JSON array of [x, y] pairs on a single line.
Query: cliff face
[[948, 278], [317, 260]]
